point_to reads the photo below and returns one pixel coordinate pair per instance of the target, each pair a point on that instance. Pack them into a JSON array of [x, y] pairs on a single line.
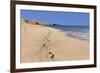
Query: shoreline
[[61, 46]]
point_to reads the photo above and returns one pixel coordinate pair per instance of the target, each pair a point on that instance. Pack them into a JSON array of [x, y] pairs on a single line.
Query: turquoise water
[[78, 32]]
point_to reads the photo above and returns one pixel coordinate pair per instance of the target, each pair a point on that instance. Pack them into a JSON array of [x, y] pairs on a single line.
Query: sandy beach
[[41, 43]]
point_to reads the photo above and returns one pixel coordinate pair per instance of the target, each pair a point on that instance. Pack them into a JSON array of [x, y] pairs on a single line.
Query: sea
[[78, 32]]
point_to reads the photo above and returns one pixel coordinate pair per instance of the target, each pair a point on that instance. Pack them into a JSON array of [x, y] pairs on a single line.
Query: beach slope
[[40, 43]]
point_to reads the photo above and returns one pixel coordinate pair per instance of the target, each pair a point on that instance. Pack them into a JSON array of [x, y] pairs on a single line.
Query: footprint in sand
[[45, 54], [52, 56]]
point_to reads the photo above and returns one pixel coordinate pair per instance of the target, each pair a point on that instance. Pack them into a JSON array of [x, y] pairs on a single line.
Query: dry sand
[[41, 43]]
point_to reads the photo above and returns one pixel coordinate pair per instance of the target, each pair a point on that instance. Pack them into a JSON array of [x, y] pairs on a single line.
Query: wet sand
[[41, 43]]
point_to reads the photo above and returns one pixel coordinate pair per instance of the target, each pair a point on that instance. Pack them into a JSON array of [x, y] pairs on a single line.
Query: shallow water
[[78, 32]]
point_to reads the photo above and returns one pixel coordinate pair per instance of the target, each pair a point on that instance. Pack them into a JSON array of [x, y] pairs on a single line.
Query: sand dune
[[41, 43]]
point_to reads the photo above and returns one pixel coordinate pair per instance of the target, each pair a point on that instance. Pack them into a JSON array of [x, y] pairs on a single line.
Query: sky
[[57, 17]]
